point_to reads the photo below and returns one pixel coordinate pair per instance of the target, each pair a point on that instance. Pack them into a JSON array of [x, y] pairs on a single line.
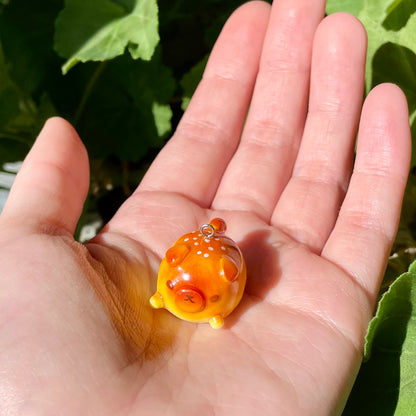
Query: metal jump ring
[[207, 234]]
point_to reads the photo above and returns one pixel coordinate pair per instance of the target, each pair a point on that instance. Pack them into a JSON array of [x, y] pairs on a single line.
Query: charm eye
[[177, 253], [228, 269]]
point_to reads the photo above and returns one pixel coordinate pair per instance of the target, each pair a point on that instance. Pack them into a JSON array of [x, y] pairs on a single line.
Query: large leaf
[[404, 247], [395, 63], [350, 6], [16, 117], [137, 118], [391, 29], [386, 383], [373, 18], [99, 30], [379, 18], [26, 29], [190, 81], [398, 13], [26, 58]]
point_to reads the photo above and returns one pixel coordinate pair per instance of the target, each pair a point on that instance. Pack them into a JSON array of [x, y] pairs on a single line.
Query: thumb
[[52, 184]]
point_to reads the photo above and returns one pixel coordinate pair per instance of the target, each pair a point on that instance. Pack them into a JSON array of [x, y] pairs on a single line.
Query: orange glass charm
[[202, 276]]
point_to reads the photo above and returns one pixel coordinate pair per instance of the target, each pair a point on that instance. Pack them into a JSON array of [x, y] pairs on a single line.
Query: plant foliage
[[386, 382], [99, 30], [391, 55], [113, 68]]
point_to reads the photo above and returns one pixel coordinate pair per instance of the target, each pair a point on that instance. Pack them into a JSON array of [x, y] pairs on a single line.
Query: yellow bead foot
[[216, 322], [156, 301]]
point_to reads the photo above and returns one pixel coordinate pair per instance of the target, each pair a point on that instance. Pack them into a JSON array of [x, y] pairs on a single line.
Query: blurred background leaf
[[351, 6], [98, 30], [190, 81], [386, 384], [142, 62]]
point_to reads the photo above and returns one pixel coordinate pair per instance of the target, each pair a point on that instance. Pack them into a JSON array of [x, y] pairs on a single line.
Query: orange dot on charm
[[202, 276]]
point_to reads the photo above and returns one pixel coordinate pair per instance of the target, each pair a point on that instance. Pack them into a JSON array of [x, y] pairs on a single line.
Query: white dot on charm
[[206, 255]]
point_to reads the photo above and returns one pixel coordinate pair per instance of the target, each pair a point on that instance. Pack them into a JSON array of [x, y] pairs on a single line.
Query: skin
[[315, 231]]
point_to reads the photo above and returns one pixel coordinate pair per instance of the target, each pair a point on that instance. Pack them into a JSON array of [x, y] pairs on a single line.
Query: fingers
[[368, 220], [264, 160], [309, 205], [52, 184], [193, 162]]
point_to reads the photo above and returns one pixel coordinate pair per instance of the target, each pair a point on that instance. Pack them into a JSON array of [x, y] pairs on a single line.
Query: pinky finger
[[367, 223]]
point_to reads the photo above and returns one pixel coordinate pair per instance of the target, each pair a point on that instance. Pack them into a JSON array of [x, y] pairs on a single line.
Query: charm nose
[[190, 300]]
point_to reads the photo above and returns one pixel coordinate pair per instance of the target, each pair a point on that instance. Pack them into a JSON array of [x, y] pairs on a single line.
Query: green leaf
[[378, 16], [162, 115], [190, 81], [395, 63], [138, 113], [99, 30], [398, 14], [373, 19], [9, 105], [386, 382], [391, 52], [26, 62], [16, 117], [26, 30], [389, 326], [350, 6], [404, 247]]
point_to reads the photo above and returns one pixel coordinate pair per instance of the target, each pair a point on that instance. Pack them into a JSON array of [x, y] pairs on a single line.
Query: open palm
[[77, 335]]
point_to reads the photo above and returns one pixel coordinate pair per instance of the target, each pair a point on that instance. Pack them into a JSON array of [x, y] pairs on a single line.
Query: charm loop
[[205, 233]]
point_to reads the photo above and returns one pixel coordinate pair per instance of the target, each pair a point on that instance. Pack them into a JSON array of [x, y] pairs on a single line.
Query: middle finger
[[263, 163]]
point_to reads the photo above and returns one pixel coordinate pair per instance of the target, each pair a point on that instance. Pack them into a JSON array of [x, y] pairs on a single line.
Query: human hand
[[315, 235]]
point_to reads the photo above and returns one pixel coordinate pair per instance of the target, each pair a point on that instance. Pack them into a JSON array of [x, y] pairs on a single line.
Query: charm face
[[202, 276]]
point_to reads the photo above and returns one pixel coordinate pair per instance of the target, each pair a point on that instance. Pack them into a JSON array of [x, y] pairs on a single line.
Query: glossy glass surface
[[202, 276]]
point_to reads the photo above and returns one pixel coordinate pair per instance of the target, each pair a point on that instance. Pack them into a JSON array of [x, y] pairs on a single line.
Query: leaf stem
[[25, 101], [87, 92], [14, 137]]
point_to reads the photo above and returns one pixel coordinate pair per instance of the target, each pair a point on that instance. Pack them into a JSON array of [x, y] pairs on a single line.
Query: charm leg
[[216, 322], [156, 301]]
